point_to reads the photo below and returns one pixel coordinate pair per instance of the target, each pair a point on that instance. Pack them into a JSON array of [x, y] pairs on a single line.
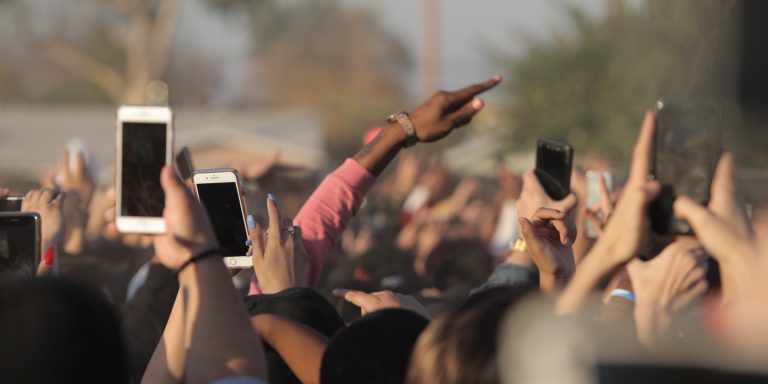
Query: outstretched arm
[[208, 314]]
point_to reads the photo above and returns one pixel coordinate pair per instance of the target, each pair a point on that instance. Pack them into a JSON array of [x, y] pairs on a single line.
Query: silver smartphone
[[221, 194], [144, 146], [593, 195]]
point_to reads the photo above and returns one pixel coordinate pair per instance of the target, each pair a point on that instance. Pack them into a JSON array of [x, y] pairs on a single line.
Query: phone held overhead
[[220, 192], [554, 160], [686, 149], [144, 146]]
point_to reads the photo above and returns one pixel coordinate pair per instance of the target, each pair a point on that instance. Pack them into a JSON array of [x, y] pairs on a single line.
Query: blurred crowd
[[390, 273]]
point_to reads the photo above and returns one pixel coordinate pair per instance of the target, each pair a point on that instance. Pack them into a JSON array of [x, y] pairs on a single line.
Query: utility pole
[[430, 69]]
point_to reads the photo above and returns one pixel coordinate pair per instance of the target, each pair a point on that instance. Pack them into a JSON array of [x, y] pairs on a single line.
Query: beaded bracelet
[[197, 257]]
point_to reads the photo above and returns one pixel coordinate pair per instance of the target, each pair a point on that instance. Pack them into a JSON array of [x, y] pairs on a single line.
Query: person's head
[[458, 266], [460, 346], [374, 349], [56, 331], [302, 305]]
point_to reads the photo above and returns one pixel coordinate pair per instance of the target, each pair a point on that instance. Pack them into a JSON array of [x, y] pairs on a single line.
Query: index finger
[[462, 96], [641, 154], [64, 164], [359, 298]]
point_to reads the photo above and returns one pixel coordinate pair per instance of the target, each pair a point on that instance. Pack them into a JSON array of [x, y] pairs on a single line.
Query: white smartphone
[[144, 146], [593, 195], [221, 194]]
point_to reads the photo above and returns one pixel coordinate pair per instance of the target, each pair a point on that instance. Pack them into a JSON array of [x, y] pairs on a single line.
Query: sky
[[470, 29]]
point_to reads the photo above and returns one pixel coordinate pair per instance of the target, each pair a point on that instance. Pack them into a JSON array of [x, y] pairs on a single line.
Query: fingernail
[[251, 222], [566, 240], [339, 292], [271, 197], [48, 259], [248, 243], [477, 103], [497, 77]]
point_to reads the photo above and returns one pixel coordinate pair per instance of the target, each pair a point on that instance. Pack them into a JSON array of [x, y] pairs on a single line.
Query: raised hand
[[549, 236], [371, 302], [533, 197], [444, 111], [188, 230], [667, 286], [625, 229], [50, 206], [723, 228], [280, 261]]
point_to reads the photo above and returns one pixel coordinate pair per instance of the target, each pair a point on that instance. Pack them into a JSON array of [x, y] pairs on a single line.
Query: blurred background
[[309, 77]]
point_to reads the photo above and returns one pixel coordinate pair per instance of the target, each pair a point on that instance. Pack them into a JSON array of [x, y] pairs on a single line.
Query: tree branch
[[107, 79]]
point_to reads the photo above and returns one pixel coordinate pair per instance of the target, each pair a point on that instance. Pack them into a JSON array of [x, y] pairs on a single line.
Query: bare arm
[[301, 347]]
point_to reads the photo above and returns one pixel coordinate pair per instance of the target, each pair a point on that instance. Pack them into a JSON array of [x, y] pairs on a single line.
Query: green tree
[[590, 84]]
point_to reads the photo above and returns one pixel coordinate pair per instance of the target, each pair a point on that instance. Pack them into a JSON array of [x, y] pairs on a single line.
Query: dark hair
[[374, 349], [57, 331], [459, 265], [460, 346]]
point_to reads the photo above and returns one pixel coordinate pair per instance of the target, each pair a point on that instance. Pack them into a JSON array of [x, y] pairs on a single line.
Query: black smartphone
[[184, 165], [19, 244], [11, 203], [686, 149], [554, 160]]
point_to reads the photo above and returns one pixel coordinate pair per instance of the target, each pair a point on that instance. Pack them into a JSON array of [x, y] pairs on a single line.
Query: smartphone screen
[[222, 202], [19, 245], [144, 147], [553, 167], [686, 152]]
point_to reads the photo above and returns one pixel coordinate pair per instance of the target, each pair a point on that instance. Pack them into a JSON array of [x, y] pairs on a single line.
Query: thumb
[[176, 192], [699, 218]]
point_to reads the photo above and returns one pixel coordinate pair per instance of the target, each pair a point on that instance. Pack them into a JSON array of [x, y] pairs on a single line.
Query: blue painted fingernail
[[251, 222], [248, 243], [271, 197]]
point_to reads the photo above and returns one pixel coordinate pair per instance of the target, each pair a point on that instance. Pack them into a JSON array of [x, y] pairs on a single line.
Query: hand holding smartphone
[[144, 146], [554, 161], [220, 192], [685, 154]]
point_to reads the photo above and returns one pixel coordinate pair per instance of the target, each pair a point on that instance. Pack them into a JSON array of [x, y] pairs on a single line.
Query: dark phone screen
[[144, 147], [222, 203], [18, 245], [687, 149], [553, 168]]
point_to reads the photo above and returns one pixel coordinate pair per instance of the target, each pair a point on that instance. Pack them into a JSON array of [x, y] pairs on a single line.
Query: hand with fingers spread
[[279, 260], [723, 228], [666, 287], [549, 235], [371, 302], [50, 206], [188, 230]]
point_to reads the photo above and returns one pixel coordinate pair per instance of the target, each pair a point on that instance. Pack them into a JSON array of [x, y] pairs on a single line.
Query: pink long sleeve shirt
[[327, 212]]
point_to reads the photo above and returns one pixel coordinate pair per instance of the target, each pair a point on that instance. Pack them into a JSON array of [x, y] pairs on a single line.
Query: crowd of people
[[403, 275]]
